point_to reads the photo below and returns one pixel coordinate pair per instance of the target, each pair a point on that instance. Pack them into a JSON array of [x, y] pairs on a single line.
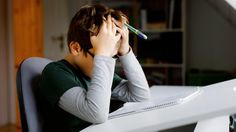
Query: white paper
[[155, 103]]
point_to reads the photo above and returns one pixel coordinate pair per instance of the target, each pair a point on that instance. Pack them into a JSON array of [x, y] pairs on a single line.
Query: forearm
[[136, 87], [93, 105]]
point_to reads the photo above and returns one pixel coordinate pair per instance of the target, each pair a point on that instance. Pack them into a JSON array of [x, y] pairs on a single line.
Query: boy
[[76, 91]]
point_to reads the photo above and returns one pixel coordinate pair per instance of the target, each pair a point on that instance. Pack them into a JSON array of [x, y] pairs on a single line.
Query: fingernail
[[104, 18]]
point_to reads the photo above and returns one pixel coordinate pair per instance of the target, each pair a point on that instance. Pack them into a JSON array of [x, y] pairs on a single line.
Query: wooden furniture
[[27, 31]]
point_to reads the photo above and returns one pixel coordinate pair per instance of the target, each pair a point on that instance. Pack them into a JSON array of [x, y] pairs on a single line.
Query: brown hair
[[85, 19]]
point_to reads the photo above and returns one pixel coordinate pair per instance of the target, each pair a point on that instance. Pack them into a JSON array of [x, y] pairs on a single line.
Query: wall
[[225, 8], [74, 6], [4, 91], [56, 21], [11, 65], [57, 16], [211, 38]]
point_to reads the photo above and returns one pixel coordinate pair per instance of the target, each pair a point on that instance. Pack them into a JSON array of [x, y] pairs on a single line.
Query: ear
[[74, 48]]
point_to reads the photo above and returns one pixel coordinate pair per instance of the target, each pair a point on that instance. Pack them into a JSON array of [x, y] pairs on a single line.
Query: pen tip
[[145, 37]]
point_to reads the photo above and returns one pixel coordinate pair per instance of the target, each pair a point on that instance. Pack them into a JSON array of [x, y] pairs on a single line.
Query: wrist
[[125, 51], [103, 52]]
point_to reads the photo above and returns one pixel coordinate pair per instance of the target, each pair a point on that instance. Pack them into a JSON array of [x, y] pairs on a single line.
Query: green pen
[[136, 31]]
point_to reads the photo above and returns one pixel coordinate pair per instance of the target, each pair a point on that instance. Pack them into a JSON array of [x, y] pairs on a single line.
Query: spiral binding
[[146, 109]]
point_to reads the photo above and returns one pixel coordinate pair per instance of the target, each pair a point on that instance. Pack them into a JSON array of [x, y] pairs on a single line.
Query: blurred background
[[190, 42]]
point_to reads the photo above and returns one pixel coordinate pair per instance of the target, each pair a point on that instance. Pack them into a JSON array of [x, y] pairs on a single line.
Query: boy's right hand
[[106, 41]]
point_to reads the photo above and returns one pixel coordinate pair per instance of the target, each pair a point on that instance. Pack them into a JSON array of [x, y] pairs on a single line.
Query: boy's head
[[87, 22]]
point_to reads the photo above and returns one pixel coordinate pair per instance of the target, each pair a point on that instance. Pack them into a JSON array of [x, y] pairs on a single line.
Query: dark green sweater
[[57, 78]]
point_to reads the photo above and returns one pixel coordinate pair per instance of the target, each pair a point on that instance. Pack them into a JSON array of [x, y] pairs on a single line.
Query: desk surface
[[215, 100]]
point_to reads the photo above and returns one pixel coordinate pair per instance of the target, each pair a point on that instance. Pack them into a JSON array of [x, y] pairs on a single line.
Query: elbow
[[148, 93], [100, 118], [145, 96], [99, 115]]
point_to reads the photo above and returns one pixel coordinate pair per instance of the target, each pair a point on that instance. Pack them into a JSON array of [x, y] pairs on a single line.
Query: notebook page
[[155, 103]]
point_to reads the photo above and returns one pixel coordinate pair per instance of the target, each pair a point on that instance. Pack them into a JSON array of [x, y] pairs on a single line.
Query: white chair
[[28, 76]]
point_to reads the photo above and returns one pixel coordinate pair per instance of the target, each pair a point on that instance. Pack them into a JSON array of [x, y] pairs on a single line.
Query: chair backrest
[[28, 76]]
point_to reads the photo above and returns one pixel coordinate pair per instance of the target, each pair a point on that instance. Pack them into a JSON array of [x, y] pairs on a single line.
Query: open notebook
[[156, 103]]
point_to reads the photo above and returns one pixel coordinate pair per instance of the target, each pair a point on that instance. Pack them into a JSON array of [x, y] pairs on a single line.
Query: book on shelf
[[167, 15], [171, 13], [151, 20], [166, 48], [174, 14], [143, 19], [157, 78]]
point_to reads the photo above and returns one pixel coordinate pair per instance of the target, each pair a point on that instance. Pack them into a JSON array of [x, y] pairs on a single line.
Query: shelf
[[157, 65], [114, 4], [161, 30], [163, 21], [162, 65]]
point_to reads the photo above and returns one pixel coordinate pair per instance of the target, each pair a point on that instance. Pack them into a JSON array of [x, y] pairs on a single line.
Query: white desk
[[214, 101]]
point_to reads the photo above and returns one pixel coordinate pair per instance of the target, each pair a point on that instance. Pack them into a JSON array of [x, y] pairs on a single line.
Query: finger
[[124, 19], [114, 28], [125, 27], [120, 31], [117, 23], [103, 26], [109, 23]]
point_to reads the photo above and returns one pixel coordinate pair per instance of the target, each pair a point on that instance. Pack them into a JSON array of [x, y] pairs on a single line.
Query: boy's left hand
[[124, 41]]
